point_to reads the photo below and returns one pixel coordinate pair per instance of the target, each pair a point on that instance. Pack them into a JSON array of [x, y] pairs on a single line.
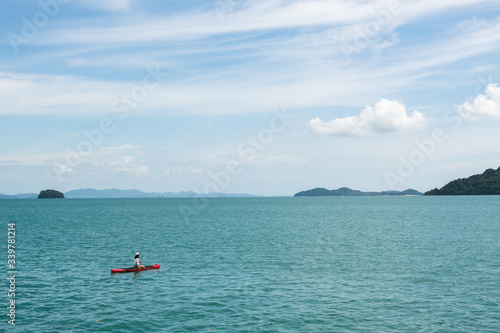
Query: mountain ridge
[[114, 193], [347, 192]]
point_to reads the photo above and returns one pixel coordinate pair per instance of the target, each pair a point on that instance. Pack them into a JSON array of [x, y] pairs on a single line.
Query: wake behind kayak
[[133, 269]]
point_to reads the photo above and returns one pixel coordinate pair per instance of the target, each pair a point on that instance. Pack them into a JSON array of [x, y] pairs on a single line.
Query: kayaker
[[137, 261]]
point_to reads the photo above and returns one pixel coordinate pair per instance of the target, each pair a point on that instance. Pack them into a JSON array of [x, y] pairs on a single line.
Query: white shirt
[[136, 262]]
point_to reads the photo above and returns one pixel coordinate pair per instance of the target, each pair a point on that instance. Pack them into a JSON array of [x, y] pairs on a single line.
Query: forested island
[[347, 192], [487, 183], [50, 194]]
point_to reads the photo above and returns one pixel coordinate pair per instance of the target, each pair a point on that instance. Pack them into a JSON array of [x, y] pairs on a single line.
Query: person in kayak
[[137, 261]]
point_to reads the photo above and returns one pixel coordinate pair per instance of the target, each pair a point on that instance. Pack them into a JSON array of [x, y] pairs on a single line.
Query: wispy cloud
[[252, 71], [252, 16], [124, 165], [108, 5], [270, 159], [257, 160], [256, 15], [31, 158], [120, 148], [182, 170], [387, 116], [55, 94]]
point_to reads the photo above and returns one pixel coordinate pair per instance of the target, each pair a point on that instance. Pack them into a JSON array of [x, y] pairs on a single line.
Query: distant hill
[[487, 183], [90, 193], [6, 196], [347, 192], [27, 196], [19, 196], [114, 193]]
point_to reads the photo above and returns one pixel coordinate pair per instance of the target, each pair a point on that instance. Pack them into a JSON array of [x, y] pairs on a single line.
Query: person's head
[[137, 255]]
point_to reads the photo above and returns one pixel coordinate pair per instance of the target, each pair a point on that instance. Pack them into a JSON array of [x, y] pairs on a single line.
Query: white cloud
[[485, 105], [109, 5], [195, 170], [32, 158], [173, 171], [125, 165], [259, 159], [267, 159], [61, 169], [52, 94], [312, 53], [288, 158], [387, 116], [126, 159], [122, 147], [252, 16], [177, 171], [249, 16]]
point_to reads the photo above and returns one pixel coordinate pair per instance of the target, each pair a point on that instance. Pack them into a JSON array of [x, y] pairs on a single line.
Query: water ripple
[[260, 265]]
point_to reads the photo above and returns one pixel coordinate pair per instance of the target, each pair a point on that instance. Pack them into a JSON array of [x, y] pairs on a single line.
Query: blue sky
[[262, 97]]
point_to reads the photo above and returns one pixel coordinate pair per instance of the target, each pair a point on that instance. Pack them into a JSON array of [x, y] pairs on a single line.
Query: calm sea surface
[[343, 264]]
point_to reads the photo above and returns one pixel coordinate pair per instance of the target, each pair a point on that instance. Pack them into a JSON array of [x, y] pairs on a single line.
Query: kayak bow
[[133, 269]]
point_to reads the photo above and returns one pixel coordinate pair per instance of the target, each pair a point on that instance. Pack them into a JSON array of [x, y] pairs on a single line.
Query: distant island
[[113, 193], [487, 183], [347, 192], [50, 194]]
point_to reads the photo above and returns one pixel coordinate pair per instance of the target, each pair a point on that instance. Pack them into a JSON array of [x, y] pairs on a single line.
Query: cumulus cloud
[[485, 105], [387, 116]]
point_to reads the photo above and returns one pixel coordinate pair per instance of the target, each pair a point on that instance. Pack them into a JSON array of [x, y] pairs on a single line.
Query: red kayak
[[132, 269]]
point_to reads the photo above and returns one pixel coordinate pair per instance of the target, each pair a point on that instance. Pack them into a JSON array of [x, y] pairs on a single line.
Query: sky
[[266, 97]]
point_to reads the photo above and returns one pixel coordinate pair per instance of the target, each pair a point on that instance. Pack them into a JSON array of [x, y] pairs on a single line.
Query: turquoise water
[[353, 264]]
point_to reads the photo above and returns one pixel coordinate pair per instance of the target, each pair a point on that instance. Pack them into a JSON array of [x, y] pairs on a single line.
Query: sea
[[292, 264]]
